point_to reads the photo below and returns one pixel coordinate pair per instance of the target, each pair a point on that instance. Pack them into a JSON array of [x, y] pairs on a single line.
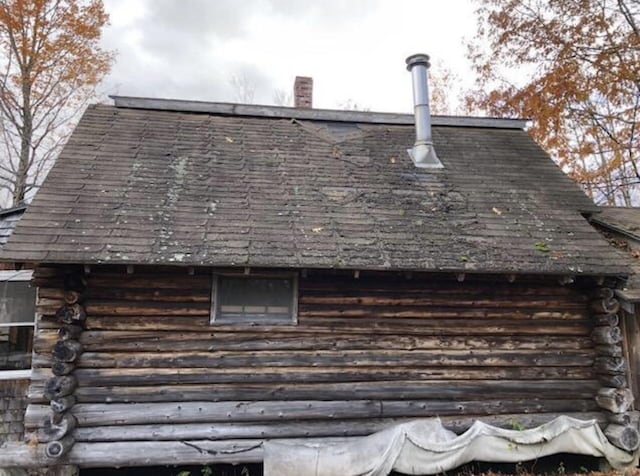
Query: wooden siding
[[365, 353]]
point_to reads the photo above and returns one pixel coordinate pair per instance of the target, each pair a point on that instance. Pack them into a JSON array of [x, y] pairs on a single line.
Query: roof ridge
[[255, 110]]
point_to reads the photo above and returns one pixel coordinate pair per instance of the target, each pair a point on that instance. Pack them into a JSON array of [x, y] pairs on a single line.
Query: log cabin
[[215, 276], [17, 316], [621, 227]]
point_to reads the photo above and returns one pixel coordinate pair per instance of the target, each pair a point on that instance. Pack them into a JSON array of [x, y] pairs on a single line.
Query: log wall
[[13, 402], [365, 353]]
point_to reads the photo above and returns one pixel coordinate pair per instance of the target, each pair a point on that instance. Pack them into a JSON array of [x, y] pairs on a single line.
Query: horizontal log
[[615, 400], [331, 300], [379, 389], [306, 429], [309, 311], [147, 281], [250, 340], [183, 294], [168, 376], [209, 412], [117, 308], [343, 358], [173, 453], [624, 437], [57, 449], [440, 327], [606, 335]]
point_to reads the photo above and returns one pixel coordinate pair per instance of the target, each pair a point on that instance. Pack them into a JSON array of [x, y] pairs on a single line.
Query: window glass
[[17, 315], [17, 302], [254, 299]]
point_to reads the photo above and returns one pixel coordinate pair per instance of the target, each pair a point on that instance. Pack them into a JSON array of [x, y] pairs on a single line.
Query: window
[[17, 319], [254, 299]]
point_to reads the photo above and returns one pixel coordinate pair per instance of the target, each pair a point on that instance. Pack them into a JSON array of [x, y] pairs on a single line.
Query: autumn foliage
[[50, 63], [573, 67]]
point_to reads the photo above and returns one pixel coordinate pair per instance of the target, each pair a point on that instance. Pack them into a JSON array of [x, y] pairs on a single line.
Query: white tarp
[[426, 447]]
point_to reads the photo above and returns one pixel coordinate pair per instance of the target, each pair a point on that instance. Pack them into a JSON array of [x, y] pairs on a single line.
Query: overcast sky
[[353, 49]]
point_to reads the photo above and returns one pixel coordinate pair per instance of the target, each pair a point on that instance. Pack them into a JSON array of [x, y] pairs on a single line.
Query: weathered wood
[[69, 332], [60, 386], [62, 404], [346, 358], [606, 335], [169, 376], [62, 368], [67, 350], [605, 305], [379, 389], [624, 437], [606, 319], [609, 350], [306, 429], [72, 296], [613, 380], [250, 340], [71, 314], [625, 419], [616, 400], [56, 430], [57, 449], [439, 327], [610, 365], [202, 412], [604, 293]]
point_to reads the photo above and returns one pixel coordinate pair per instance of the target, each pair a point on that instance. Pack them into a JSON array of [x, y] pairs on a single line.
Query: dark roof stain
[[170, 187]]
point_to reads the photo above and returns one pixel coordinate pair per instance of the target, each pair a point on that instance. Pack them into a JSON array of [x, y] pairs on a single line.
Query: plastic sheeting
[[426, 447]]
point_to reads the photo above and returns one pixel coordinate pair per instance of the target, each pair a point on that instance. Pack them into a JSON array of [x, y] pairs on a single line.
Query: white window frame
[[17, 276], [254, 322]]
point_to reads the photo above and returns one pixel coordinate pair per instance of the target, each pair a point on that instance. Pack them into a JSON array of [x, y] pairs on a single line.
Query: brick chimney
[[303, 92]]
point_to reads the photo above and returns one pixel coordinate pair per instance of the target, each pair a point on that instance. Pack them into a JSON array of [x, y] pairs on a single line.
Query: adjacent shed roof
[[8, 220], [172, 182], [625, 220]]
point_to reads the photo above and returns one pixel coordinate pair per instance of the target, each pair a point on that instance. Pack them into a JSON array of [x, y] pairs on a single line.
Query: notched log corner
[[67, 350], [606, 335], [605, 305], [56, 427], [69, 332], [60, 386], [62, 404], [57, 449], [616, 400], [71, 314], [624, 437]]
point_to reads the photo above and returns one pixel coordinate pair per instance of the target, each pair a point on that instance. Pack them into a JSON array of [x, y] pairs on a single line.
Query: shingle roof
[[136, 185], [8, 220], [624, 220]]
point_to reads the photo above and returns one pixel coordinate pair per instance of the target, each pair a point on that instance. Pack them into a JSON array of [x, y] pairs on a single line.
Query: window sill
[[15, 374]]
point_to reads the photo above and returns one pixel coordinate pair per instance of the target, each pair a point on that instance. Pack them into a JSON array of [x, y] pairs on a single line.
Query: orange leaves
[[50, 63], [573, 67]]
